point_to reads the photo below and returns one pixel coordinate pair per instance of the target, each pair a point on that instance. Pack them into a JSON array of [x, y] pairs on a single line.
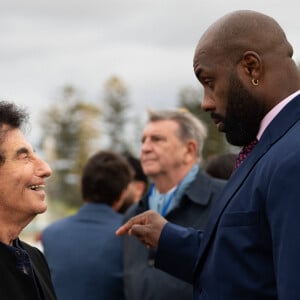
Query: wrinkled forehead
[[4, 130], [12, 137]]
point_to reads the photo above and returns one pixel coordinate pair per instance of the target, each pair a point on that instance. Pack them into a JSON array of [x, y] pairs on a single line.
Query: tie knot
[[245, 151]]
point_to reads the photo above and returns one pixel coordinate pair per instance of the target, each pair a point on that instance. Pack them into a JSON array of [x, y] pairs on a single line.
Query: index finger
[[140, 219], [124, 228]]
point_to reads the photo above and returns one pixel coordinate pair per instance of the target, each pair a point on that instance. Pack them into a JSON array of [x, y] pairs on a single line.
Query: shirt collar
[[268, 118]]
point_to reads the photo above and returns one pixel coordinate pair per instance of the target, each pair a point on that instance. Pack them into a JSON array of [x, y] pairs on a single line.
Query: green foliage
[[116, 106], [70, 129], [190, 98], [71, 133]]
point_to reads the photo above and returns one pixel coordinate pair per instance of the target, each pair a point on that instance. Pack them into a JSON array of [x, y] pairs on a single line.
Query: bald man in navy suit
[[250, 247]]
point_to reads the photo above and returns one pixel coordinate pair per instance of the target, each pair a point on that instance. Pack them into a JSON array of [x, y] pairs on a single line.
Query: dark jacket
[[14, 285], [250, 249], [141, 279]]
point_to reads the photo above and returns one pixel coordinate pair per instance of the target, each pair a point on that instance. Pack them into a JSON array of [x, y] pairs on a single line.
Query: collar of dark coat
[[7, 256], [199, 191]]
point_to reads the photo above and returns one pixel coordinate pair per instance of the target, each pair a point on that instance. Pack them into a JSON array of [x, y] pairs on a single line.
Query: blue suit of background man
[[95, 262]]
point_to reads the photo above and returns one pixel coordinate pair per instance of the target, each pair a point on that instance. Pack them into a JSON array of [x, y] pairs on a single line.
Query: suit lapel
[[277, 128], [200, 190]]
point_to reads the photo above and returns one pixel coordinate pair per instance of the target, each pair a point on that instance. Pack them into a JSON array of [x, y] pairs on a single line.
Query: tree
[[70, 130], [115, 114], [190, 98]]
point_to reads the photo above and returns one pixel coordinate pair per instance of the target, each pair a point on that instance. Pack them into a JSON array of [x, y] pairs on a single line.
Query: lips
[[37, 187], [219, 124]]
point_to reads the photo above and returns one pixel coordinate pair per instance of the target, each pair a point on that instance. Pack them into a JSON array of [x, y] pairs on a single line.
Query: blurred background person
[[137, 187], [171, 153], [84, 255], [220, 166]]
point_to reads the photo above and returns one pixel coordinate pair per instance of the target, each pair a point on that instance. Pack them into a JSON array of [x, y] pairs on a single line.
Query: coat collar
[[96, 212], [199, 191]]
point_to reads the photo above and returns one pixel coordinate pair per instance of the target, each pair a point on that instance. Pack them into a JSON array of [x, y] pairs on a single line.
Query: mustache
[[216, 116]]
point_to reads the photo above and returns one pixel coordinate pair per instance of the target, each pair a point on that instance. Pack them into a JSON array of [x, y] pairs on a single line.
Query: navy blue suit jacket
[[85, 255], [250, 249]]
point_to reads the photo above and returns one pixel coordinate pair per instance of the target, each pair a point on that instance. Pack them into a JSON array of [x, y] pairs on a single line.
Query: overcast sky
[[148, 44]]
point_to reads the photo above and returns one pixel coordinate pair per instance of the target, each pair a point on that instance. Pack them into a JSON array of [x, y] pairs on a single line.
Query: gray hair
[[190, 127]]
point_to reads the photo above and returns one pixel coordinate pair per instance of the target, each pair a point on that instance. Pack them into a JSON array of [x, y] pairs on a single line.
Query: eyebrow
[[22, 151], [198, 71]]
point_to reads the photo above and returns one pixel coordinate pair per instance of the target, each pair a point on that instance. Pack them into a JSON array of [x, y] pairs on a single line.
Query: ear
[[190, 151], [251, 66], [118, 203], [139, 189]]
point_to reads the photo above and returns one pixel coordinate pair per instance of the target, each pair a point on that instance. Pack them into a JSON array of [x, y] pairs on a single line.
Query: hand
[[147, 227]]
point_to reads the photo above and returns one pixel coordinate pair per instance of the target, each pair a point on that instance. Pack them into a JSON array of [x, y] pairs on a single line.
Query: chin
[[149, 171], [41, 208], [151, 174]]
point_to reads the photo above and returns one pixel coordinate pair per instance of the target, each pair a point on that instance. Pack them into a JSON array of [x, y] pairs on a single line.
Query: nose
[[43, 169], [208, 104], [146, 146]]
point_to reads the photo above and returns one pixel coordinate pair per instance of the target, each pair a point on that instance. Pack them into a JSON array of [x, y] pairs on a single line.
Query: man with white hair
[[171, 153]]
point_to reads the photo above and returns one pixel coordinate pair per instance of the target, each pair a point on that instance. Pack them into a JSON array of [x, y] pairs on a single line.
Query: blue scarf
[[164, 203]]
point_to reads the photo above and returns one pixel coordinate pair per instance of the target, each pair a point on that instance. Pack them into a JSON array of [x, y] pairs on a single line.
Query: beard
[[243, 114]]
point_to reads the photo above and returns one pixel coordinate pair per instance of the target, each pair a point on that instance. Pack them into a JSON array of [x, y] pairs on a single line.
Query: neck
[[164, 187], [8, 235], [10, 230], [166, 181]]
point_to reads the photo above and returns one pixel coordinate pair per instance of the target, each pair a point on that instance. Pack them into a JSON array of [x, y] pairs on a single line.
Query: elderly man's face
[[162, 151], [22, 178]]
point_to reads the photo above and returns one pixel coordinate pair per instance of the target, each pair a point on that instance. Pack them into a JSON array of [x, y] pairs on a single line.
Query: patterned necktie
[[245, 151]]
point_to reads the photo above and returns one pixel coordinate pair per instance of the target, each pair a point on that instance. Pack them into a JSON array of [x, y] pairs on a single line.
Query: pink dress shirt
[[274, 112]]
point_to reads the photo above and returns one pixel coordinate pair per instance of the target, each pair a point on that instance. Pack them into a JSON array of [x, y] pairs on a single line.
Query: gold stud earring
[[254, 81]]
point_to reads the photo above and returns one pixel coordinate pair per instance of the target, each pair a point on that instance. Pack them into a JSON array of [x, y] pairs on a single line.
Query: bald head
[[230, 39], [245, 30], [244, 62]]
